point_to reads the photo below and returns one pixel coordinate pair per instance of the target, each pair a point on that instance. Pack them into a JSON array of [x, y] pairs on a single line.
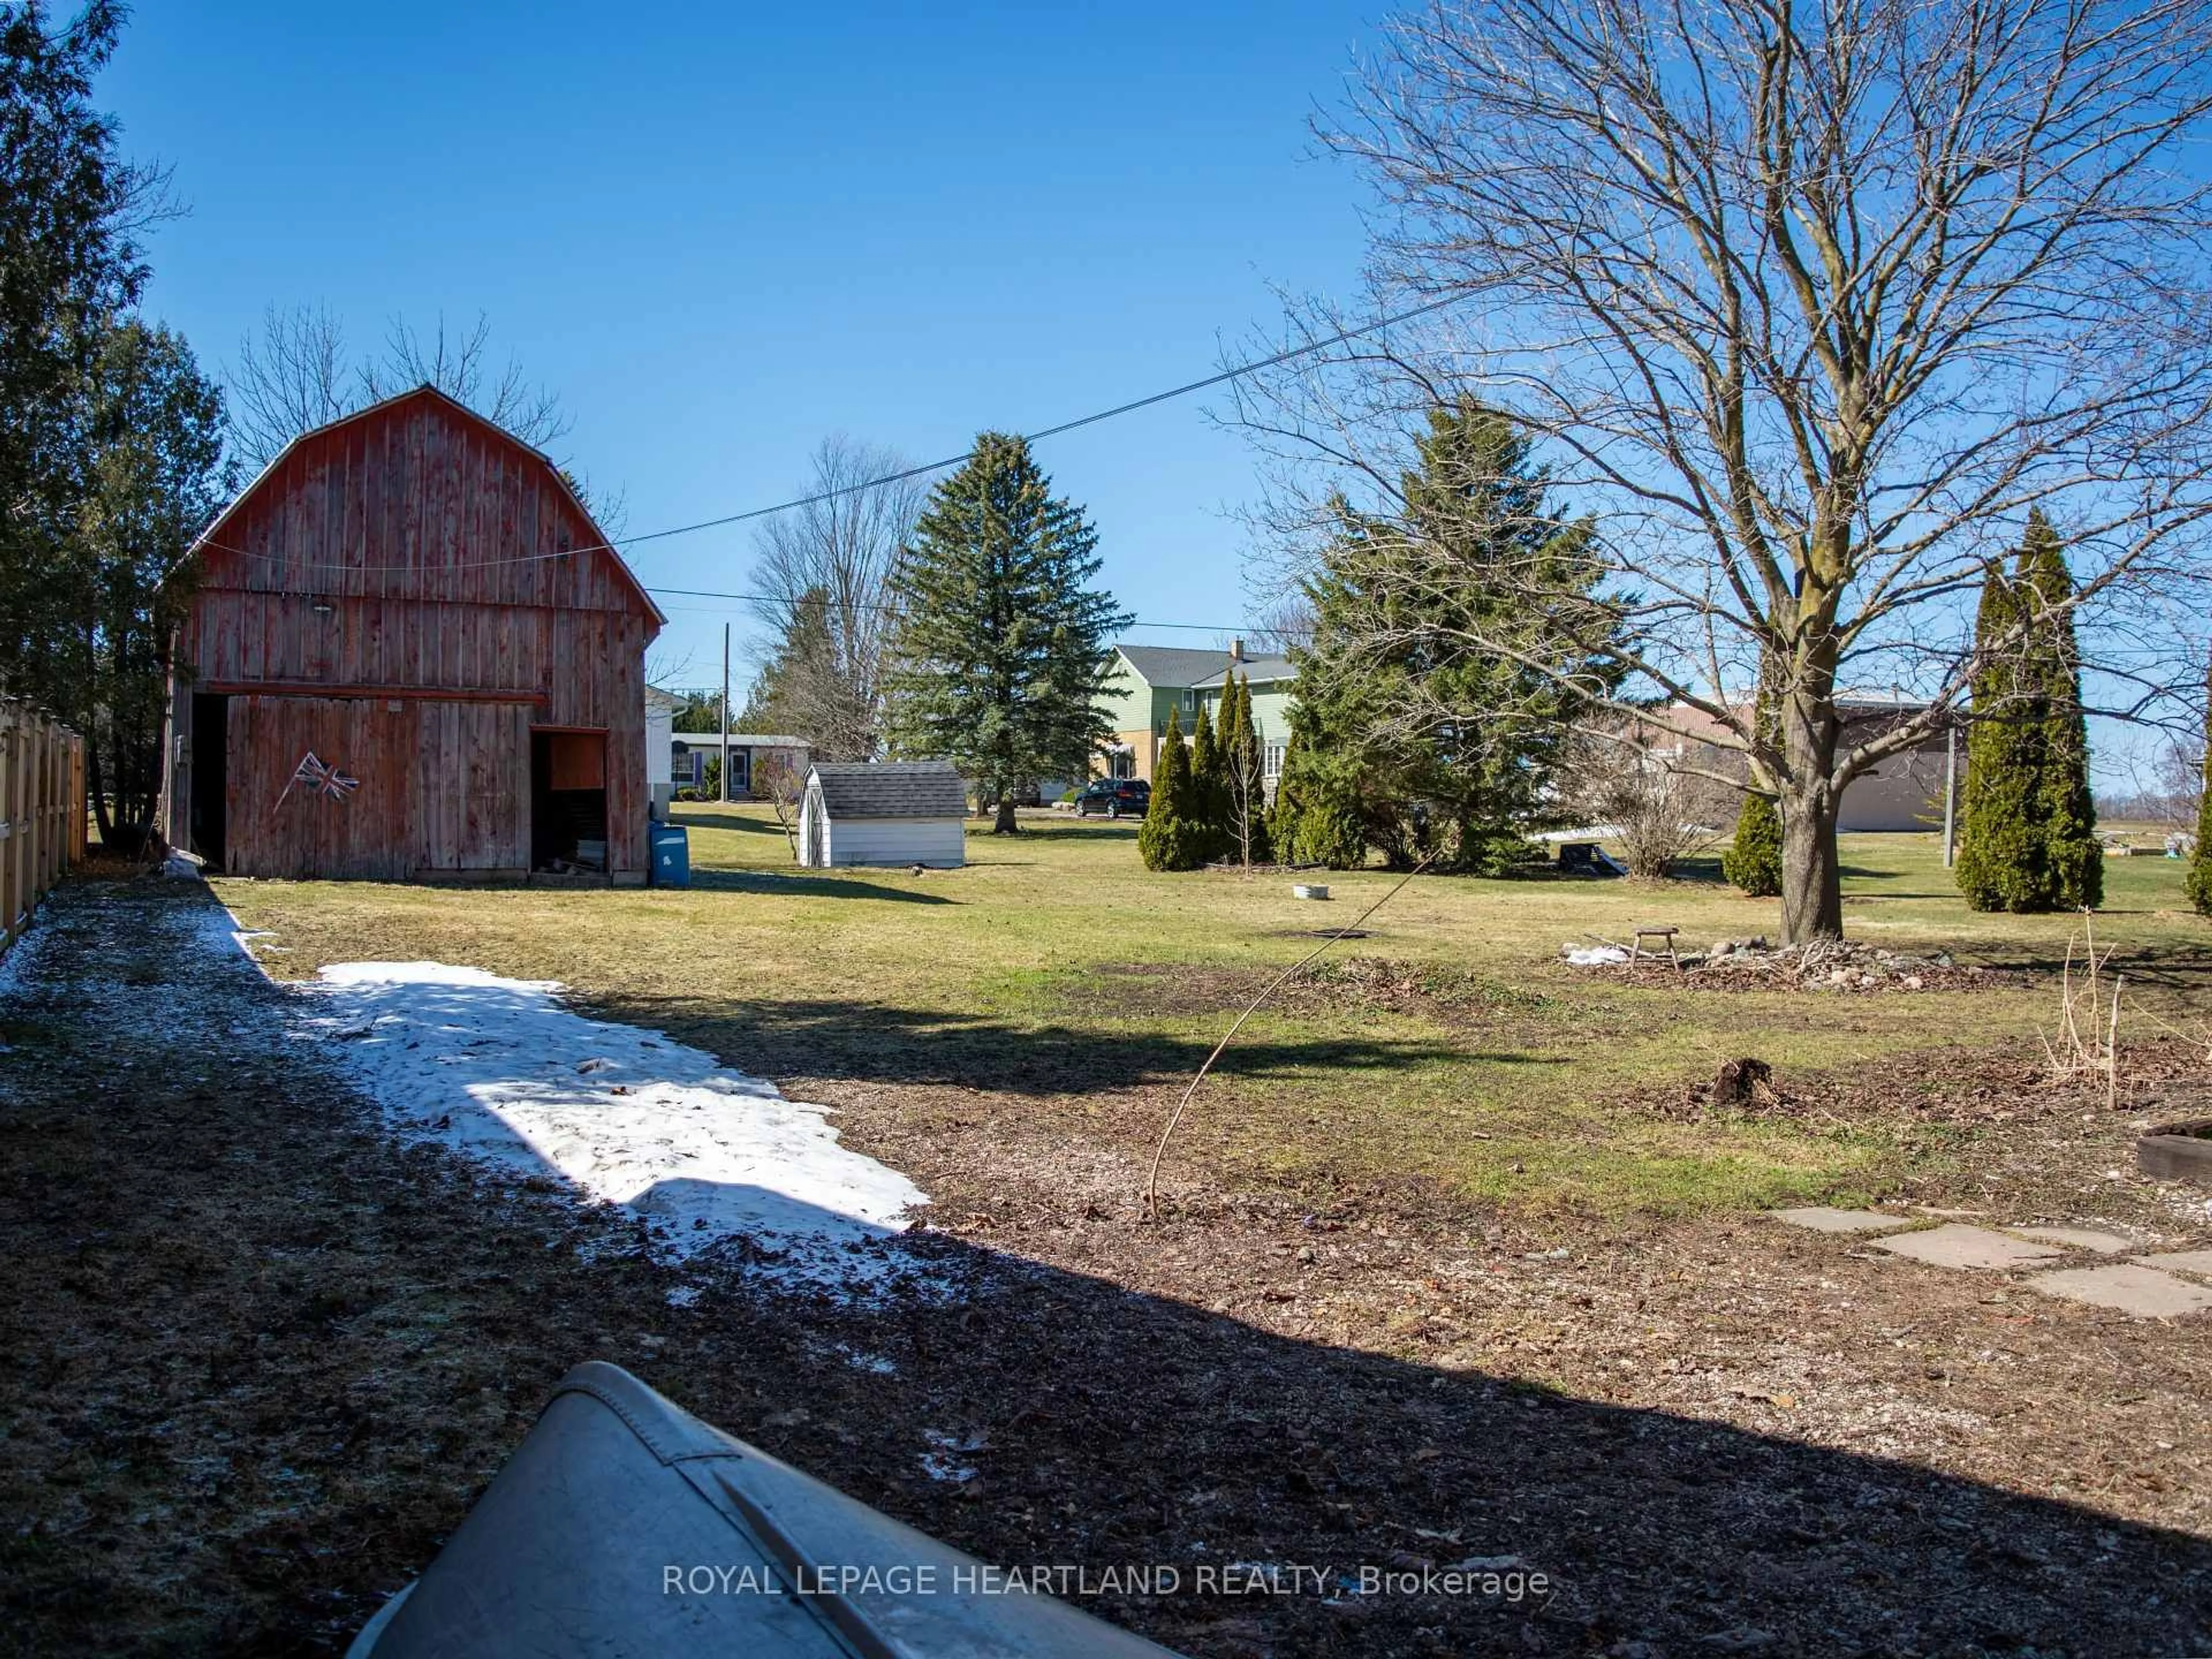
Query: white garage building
[[883, 812]]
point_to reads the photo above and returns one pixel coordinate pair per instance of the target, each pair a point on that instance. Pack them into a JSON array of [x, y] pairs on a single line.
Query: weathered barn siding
[[400, 594]]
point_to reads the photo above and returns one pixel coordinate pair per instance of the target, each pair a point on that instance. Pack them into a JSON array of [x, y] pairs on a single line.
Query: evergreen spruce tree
[[1999, 843], [2028, 829], [1242, 761], [1429, 741], [1318, 815], [72, 211], [1209, 786], [777, 701], [1170, 838], [2198, 880], [1285, 810], [1753, 859], [1001, 661], [2072, 854]]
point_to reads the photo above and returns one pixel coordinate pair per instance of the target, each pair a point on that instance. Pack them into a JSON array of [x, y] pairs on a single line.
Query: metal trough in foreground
[[624, 1525]]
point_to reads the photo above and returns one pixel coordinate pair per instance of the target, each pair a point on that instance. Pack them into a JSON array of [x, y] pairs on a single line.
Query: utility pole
[[725, 714], [1950, 792]]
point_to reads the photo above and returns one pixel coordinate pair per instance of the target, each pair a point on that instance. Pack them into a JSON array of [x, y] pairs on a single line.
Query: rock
[[1913, 982]]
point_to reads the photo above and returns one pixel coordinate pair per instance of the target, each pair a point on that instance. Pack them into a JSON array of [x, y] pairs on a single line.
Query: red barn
[[410, 653]]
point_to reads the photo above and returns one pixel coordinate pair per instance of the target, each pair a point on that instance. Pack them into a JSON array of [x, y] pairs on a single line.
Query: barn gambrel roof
[[214, 536]]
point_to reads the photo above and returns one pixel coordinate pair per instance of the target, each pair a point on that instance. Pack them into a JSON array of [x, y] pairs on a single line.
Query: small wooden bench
[[1664, 935]]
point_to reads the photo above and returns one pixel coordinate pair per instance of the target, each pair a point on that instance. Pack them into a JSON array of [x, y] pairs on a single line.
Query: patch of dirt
[[261, 1358]]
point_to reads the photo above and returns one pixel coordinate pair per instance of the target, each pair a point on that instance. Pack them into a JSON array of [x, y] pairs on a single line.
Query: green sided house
[[1150, 682]]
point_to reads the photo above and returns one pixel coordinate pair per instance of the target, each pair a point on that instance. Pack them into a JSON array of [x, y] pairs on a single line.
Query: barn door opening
[[211, 760], [569, 801]]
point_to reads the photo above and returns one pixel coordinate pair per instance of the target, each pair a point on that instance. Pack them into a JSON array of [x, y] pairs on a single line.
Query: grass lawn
[[1056, 986]]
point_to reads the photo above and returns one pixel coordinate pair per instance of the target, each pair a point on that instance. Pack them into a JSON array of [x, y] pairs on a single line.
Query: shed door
[[814, 833]]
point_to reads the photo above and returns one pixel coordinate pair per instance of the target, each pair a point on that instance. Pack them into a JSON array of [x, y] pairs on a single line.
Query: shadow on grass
[[867, 1042], [736, 825], [1071, 828], [798, 886]]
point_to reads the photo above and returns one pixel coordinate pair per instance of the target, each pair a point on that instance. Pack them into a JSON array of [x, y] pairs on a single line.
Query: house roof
[[1179, 667], [657, 701], [741, 740], [1259, 670], [892, 789]]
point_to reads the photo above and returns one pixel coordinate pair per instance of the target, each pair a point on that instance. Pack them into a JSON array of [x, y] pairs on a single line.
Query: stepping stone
[[2187, 1261], [1957, 1246], [1822, 1219], [2126, 1288], [2079, 1238]]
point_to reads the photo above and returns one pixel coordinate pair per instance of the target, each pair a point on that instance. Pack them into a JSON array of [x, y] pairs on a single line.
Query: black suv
[[1114, 798]]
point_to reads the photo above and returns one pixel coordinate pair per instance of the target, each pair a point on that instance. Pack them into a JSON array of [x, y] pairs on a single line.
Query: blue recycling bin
[[671, 855]]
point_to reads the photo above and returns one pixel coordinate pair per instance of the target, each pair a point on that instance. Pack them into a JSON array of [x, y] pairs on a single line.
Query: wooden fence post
[[42, 811], [11, 892]]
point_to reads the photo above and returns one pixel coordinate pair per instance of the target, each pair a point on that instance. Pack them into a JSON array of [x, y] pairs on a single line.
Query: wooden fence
[[42, 811]]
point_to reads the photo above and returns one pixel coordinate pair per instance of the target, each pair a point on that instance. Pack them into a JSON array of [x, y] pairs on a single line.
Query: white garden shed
[[883, 812]]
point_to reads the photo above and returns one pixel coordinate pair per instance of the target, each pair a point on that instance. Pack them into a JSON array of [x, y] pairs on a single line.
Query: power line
[[617, 544], [859, 604]]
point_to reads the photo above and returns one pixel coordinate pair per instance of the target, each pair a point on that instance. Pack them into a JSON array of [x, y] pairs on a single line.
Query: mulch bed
[[261, 1358]]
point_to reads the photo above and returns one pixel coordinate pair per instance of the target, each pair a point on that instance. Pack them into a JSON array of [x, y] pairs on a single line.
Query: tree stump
[[1745, 1082]]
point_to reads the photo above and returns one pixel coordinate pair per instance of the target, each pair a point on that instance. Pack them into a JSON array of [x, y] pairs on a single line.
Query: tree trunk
[[1006, 824], [93, 780], [1812, 869]]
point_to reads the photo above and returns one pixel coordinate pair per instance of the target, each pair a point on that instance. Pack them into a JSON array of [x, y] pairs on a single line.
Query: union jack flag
[[323, 779]]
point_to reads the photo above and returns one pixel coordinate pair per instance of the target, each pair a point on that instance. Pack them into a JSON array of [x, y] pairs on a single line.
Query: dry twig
[[1160, 1151]]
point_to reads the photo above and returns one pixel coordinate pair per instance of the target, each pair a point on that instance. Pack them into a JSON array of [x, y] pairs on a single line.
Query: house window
[[1271, 762]]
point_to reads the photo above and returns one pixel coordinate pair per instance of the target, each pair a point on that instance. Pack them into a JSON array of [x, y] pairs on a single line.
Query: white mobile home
[[883, 812]]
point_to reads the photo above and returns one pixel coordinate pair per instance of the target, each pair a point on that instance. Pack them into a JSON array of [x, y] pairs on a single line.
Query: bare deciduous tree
[[781, 779], [292, 376], [1661, 798], [296, 374], [825, 603], [1243, 773], [2163, 787], [1808, 306], [1280, 618]]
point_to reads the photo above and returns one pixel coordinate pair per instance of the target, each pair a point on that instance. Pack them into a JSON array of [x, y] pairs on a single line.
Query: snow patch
[[1593, 956], [16, 960], [942, 1462], [499, 1069]]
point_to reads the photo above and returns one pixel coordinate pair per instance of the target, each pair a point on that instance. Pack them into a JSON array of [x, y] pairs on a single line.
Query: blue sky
[[720, 234]]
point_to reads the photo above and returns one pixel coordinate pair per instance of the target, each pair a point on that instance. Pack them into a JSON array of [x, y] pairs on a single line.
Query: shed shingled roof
[[892, 789]]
